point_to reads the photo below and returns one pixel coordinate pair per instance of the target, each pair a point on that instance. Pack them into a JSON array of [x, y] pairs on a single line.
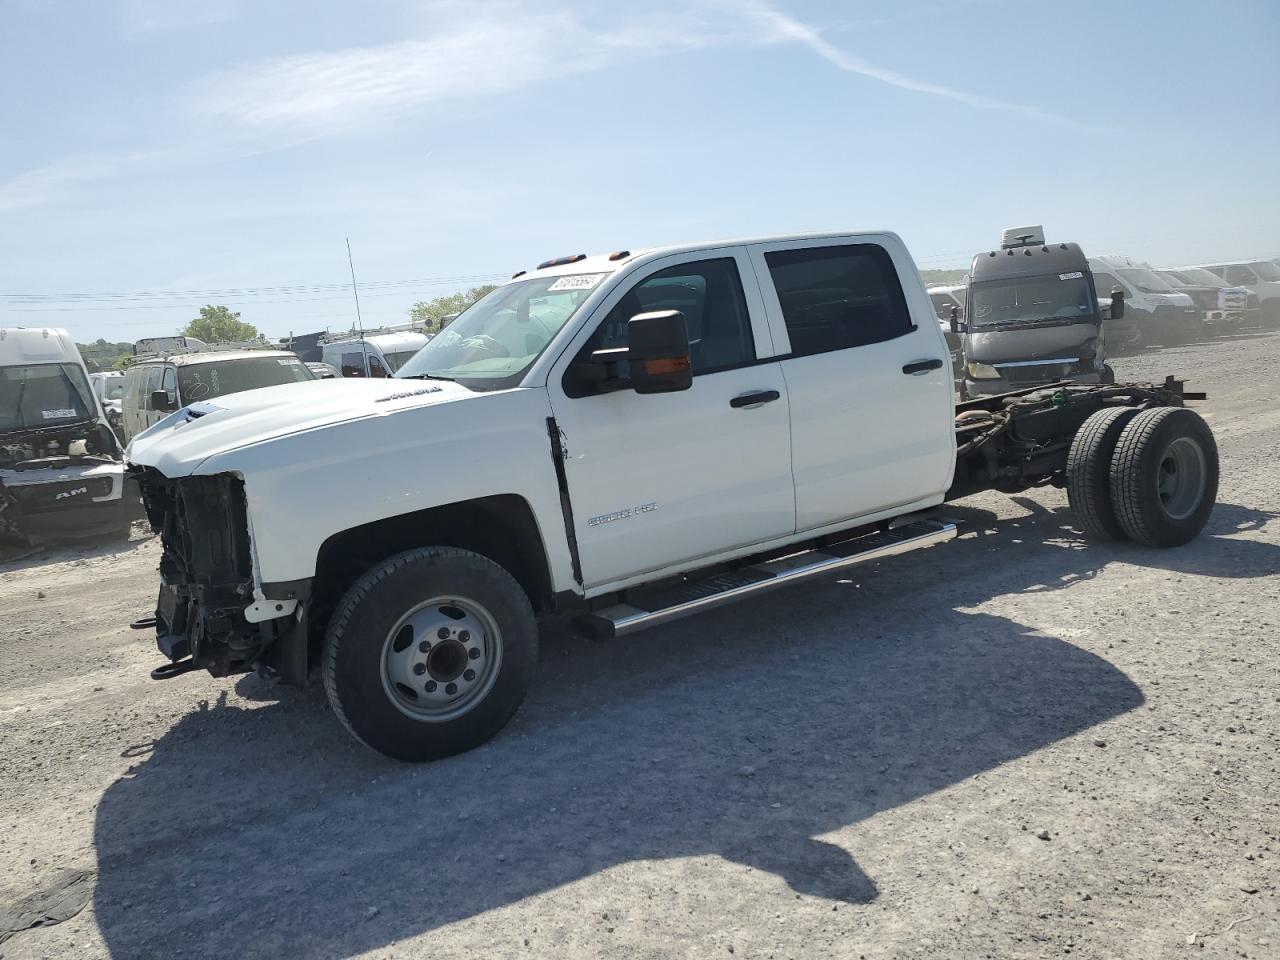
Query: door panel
[[867, 436], [659, 480], [663, 478]]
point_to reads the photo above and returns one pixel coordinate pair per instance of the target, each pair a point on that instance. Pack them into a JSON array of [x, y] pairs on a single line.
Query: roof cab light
[[561, 261]]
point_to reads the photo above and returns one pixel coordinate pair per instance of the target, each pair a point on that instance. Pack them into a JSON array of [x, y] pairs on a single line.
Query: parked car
[[1261, 278], [622, 440], [156, 386], [1157, 312], [946, 298], [1031, 317], [1225, 306], [108, 387], [324, 371], [61, 467], [374, 354]]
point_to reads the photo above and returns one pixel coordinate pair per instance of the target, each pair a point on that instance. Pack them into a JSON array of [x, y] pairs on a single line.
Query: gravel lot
[[1014, 745]]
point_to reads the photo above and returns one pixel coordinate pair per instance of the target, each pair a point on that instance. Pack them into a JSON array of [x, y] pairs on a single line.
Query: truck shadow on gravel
[[259, 828]]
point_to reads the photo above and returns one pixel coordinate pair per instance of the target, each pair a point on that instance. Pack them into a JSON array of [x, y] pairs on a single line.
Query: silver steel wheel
[[441, 658], [1181, 481]]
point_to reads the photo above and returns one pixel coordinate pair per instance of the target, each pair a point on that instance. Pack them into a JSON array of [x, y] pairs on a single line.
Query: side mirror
[[955, 320], [1117, 304], [161, 401], [658, 352]]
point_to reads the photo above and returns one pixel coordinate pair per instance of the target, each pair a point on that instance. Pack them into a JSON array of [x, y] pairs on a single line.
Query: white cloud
[[502, 47], [778, 27]]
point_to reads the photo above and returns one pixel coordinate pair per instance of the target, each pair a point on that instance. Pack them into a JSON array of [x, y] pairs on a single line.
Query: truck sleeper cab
[[622, 439]]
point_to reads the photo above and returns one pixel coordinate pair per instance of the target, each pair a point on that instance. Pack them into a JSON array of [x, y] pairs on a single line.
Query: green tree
[[216, 324], [429, 313]]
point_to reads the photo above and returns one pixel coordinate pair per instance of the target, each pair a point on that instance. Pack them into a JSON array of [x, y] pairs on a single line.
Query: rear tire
[[430, 653], [1164, 476], [1089, 473]]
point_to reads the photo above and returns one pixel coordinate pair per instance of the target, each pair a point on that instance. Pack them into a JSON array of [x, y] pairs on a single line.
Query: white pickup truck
[[621, 439]]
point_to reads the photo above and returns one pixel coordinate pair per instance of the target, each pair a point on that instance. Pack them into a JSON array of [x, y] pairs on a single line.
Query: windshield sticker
[[57, 414], [580, 281], [1071, 276]]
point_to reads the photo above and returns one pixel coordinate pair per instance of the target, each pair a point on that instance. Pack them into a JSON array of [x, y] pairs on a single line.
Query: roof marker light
[[620, 255], [519, 273], [561, 261]]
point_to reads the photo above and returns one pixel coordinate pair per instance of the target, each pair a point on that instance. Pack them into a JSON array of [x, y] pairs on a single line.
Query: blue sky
[[172, 152]]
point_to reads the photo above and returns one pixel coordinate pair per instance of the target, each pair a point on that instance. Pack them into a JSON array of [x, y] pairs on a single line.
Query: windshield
[[44, 395], [495, 340], [1145, 280], [1266, 271], [1195, 275], [397, 360], [200, 381], [113, 389], [1026, 299]]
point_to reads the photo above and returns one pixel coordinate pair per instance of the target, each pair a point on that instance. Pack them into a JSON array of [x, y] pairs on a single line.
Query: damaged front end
[[206, 614], [61, 481]]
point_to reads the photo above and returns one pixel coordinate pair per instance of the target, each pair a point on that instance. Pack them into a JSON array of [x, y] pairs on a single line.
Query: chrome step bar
[[696, 596]]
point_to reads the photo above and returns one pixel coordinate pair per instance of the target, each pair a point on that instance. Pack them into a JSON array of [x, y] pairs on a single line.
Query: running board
[[698, 595]]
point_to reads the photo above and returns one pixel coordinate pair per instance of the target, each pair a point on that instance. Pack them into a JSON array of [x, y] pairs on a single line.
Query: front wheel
[[1164, 476], [430, 653]]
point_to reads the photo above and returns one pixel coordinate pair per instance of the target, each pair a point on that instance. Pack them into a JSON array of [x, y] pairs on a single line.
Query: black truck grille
[[61, 495]]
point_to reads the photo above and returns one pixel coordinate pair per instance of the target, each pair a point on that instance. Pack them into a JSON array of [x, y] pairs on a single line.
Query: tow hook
[[167, 671]]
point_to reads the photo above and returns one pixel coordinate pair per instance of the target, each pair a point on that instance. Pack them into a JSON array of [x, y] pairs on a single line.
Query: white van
[[61, 468], [1157, 312], [156, 386], [108, 387], [376, 355]]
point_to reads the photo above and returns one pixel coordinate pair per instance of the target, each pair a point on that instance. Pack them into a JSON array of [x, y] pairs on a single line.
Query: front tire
[[1164, 476], [430, 653]]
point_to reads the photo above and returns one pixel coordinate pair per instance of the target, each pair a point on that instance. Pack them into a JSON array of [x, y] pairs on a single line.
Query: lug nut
[[468, 674], [465, 636], [431, 686], [451, 689], [474, 653], [424, 646], [419, 668], [443, 633]]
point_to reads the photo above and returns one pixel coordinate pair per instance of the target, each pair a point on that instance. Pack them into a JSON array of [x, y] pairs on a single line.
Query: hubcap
[[441, 658], [1180, 483]]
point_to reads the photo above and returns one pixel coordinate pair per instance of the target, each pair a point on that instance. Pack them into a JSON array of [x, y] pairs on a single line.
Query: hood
[[181, 441], [1033, 343], [1171, 299]]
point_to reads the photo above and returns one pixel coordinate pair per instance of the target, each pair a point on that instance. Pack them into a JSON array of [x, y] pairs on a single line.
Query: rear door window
[[835, 298]]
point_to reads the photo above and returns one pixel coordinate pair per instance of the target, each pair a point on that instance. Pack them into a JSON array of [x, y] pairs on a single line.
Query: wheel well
[[501, 528]]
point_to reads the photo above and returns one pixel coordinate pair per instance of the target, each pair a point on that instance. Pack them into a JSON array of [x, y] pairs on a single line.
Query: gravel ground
[[1014, 745]]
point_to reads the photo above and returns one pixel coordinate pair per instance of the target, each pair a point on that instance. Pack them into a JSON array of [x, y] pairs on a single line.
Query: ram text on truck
[[622, 439]]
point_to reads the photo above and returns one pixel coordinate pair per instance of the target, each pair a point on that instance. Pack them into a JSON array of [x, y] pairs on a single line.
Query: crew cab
[[621, 439]]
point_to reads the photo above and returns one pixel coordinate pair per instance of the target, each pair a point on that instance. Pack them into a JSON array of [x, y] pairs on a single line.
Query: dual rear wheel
[[1150, 476]]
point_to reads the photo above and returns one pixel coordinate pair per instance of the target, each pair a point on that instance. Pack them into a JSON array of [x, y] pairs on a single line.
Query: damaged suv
[[61, 468]]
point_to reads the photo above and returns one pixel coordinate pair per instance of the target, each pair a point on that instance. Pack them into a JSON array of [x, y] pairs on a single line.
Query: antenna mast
[[364, 347]]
